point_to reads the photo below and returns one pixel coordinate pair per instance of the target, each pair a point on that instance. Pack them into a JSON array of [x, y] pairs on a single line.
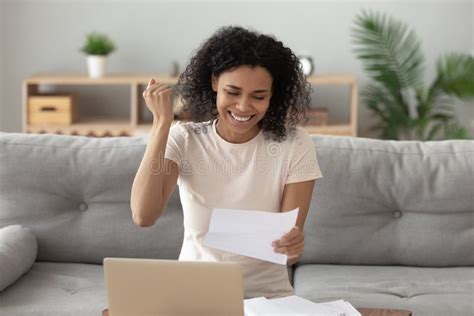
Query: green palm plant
[[392, 57]]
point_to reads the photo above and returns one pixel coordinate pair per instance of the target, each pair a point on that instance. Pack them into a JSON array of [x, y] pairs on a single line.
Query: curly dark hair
[[232, 46]]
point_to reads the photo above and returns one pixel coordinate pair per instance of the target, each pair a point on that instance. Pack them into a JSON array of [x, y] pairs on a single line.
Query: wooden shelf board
[[61, 79], [331, 79], [144, 128], [84, 79], [95, 125], [331, 129]]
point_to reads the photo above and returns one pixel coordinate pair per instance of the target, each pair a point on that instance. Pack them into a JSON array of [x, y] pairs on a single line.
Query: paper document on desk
[[250, 233], [295, 305]]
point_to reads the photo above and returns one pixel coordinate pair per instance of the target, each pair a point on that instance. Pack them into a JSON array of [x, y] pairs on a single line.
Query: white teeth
[[240, 118]]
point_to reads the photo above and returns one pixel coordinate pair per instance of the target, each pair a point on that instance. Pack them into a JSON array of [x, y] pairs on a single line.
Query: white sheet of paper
[[262, 306], [303, 306], [345, 306], [250, 233], [295, 305]]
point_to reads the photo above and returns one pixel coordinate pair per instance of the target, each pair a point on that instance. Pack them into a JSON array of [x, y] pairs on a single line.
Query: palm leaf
[[433, 131], [455, 131], [456, 75], [424, 106], [390, 52], [390, 105], [442, 117], [387, 108]]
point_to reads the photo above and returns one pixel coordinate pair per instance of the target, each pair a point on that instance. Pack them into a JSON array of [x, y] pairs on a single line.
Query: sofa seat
[[51, 288], [424, 291]]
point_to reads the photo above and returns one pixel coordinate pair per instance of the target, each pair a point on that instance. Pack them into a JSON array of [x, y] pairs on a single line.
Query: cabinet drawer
[[56, 109]]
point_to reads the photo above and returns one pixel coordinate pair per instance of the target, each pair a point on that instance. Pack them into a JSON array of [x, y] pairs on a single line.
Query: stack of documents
[[250, 233], [295, 305]]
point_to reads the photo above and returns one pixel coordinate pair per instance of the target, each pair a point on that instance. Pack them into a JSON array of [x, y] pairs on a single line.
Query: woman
[[247, 92]]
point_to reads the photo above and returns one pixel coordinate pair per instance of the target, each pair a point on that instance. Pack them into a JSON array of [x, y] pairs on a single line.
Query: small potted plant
[[97, 47]]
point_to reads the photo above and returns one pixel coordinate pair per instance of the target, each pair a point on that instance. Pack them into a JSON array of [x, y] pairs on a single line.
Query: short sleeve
[[175, 144], [303, 165]]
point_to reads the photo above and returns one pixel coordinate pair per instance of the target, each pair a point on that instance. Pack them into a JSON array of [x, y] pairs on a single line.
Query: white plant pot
[[96, 65]]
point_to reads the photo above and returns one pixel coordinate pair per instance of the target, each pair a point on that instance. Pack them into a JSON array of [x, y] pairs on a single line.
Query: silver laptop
[[142, 287]]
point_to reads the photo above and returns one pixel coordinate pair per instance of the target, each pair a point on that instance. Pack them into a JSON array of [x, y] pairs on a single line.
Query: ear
[[214, 82]]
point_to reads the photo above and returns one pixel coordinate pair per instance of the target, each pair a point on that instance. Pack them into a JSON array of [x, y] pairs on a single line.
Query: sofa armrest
[[18, 250]]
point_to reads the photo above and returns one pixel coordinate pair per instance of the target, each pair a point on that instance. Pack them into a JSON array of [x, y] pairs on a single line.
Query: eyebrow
[[237, 88]]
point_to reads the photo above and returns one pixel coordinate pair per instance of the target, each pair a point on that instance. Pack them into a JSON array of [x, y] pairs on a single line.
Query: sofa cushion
[[18, 251], [392, 202], [424, 291], [56, 289], [73, 192]]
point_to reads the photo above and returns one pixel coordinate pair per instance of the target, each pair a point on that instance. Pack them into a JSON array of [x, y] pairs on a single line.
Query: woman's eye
[[235, 93]]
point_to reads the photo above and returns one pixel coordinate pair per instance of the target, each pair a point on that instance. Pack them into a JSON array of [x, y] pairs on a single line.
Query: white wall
[[45, 35]]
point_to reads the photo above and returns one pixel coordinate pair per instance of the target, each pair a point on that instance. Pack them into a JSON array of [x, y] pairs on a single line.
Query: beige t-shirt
[[214, 173]]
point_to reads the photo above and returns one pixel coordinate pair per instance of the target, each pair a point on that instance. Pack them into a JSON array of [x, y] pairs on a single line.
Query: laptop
[[143, 287]]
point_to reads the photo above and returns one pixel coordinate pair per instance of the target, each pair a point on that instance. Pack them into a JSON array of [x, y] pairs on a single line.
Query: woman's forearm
[[146, 195]]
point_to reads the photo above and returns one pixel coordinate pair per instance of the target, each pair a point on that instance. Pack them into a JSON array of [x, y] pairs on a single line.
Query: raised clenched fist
[[158, 100]]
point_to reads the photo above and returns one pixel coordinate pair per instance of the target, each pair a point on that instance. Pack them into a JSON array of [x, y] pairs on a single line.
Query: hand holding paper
[[292, 243], [250, 233]]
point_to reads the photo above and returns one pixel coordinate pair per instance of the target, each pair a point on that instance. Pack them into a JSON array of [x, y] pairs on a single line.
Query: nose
[[244, 105]]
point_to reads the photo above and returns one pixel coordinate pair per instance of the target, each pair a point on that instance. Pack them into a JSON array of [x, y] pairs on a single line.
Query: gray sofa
[[390, 224]]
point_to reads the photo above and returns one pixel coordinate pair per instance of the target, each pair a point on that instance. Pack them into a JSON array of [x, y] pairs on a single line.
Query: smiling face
[[243, 97]]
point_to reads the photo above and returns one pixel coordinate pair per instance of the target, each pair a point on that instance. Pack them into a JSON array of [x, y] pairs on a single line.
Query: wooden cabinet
[[135, 123]]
